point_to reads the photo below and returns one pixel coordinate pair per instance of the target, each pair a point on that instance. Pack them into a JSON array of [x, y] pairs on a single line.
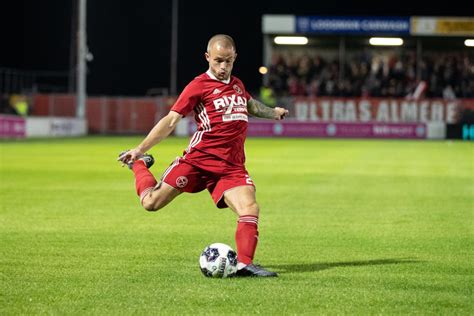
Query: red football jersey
[[220, 110]]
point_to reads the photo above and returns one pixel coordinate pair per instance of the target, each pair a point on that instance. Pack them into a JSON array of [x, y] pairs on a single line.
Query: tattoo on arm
[[259, 109]]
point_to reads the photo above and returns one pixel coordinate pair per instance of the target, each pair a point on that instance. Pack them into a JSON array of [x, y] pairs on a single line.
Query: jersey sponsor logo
[[229, 102], [181, 181], [235, 117], [237, 89]]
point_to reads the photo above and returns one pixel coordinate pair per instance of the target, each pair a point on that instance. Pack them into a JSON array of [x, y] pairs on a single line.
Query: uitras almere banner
[[379, 110]]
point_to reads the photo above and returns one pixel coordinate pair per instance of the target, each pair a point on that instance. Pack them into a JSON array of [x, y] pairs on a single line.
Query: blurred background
[[356, 69]]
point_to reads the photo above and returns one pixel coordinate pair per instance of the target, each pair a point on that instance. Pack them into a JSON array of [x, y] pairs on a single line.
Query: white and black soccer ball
[[218, 261]]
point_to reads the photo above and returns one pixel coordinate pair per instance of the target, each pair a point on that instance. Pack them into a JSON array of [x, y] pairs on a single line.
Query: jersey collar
[[209, 73]]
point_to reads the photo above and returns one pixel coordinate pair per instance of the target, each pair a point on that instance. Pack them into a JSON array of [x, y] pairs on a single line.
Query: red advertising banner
[[106, 115]]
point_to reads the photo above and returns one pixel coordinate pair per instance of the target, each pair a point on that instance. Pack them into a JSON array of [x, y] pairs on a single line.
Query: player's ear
[[206, 54]]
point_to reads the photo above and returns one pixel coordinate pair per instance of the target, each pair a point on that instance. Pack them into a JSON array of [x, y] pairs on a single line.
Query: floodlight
[[291, 40], [386, 41]]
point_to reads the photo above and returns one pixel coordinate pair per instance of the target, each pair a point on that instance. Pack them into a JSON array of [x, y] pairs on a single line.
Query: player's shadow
[[319, 266]]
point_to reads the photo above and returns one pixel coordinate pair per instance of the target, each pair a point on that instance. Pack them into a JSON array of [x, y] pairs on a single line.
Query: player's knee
[[148, 205], [251, 208]]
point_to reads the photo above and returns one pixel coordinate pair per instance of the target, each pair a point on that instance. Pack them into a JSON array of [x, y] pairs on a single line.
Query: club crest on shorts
[[237, 89], [181, 181]]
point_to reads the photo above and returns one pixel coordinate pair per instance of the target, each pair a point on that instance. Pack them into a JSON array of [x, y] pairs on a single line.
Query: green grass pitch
[[352, 227]]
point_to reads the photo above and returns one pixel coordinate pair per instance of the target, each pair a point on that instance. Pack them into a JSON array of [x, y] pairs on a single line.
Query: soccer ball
[[218, 261]]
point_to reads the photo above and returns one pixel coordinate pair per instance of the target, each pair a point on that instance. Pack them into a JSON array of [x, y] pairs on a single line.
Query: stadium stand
[[367, 74]]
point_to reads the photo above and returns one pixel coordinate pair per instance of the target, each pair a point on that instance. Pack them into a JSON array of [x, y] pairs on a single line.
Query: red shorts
[[198, 171]]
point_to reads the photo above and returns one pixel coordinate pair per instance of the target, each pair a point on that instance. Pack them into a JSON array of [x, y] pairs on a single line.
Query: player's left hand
[[130, 156], [280, 113]]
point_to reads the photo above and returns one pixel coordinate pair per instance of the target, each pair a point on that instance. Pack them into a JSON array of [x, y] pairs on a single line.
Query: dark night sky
[[130, 40]]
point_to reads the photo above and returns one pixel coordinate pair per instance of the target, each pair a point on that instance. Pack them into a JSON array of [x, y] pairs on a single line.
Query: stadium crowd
[[447, 75]]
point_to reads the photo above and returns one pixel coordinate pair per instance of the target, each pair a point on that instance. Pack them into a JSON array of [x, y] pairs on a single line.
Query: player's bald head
[[221, 56], [221, 40]]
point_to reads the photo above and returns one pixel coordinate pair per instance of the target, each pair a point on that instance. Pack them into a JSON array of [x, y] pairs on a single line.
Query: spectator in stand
[[278, 75], [304, 70], [296, 86], [313, 88], [268, 96], [448, 93]]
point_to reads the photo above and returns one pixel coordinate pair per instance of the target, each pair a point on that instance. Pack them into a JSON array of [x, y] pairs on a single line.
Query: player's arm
[[259, 109], [160, 131]]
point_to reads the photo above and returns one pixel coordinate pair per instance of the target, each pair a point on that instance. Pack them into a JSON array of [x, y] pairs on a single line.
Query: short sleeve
[[246, 94], [188, 99]]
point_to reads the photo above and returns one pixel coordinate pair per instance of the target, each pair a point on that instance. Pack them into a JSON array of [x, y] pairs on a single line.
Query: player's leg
[[159, 196], [178, 178], [242, 201], [153, 195]]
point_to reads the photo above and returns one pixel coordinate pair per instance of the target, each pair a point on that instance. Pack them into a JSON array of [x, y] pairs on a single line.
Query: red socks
[[144, 179], [246, 238]]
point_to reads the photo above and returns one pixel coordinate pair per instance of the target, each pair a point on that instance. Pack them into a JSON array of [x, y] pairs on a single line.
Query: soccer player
[[214, 159]]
